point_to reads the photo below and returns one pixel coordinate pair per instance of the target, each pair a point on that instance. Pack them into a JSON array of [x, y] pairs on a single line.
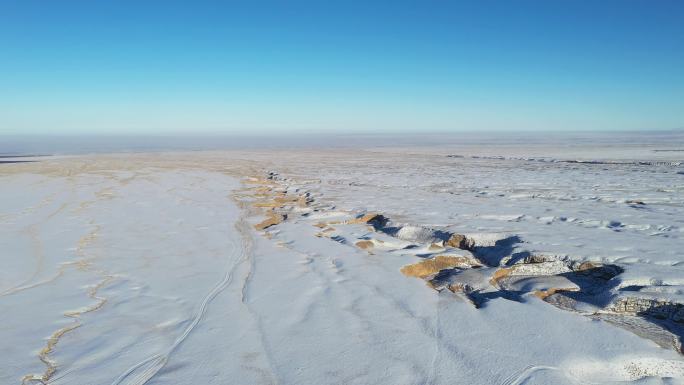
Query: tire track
[[145, 370], [517, 378]]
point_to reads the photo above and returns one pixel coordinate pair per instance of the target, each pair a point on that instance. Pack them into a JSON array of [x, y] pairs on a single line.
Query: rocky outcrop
[[459, 241], [374, 219], [544, 294], [656, 308], [494, 265], [272, 219], [429, 267]]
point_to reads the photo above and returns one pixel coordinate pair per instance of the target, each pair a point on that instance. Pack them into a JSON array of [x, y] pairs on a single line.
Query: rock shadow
[[664, 316], [493, 255], [595, 284]]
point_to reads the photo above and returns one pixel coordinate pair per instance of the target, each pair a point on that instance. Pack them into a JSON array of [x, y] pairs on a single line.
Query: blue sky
[[206, 67]]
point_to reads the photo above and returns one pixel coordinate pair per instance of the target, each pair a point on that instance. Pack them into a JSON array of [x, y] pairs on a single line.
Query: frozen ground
[[469, 264]]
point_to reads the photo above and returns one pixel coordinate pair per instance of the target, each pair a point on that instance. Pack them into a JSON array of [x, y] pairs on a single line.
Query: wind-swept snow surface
[[339, 267]]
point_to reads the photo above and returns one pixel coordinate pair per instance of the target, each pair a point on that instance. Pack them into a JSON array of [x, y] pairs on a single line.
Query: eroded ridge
[[53, 340], [268, 196], [83, 263], [474, 266]]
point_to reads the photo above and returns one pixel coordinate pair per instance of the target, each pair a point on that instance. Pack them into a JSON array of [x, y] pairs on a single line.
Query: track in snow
[[143, 371]]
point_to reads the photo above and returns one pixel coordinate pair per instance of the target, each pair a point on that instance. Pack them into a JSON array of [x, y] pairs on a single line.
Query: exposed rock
[[271, 220], [538, 258], [373, 219], [432, 266], [500, 274], [538, 269], [304, 200], [543, 294], [459, 287], [467, 291], [586, 266], [364, 244], [600, 271], [459, 241], [656, 308]]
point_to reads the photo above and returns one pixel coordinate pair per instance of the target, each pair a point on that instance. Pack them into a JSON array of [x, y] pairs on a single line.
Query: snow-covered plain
[[289, 267]]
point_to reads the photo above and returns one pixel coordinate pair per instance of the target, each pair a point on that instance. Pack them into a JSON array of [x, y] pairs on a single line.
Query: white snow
[[168, 282]]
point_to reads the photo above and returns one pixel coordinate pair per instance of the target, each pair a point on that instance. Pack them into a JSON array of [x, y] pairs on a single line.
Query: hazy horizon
[[39, 144]]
